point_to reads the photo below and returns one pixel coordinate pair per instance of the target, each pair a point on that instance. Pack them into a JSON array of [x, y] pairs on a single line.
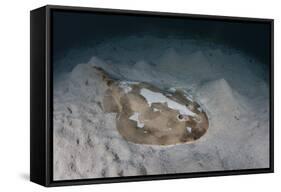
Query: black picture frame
[[41, 85]]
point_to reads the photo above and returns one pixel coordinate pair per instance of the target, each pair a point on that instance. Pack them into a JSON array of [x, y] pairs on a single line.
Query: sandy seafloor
[[231, 86]]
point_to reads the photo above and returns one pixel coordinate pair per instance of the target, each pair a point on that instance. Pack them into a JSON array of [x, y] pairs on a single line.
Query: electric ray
[[149, 115]]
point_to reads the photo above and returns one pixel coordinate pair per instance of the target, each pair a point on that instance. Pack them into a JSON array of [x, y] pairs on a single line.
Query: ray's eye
[[180, 117]]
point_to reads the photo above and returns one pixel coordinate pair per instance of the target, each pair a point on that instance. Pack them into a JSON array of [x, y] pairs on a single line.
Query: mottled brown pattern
[[162, 125]]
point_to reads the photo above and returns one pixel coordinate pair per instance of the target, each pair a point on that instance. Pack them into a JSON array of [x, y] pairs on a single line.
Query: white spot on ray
[[135, 117], [189, 129], [154, 97], [155, 110]]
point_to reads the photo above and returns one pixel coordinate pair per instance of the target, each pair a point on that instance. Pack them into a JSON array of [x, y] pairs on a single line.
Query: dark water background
[[74, 30]]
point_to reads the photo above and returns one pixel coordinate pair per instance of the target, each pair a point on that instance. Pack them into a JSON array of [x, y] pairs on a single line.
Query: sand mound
[[219, 93], [191, 66], [226, 107]]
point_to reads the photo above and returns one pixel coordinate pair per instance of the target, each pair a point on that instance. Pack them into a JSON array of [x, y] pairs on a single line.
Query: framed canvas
[[119, 95]]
